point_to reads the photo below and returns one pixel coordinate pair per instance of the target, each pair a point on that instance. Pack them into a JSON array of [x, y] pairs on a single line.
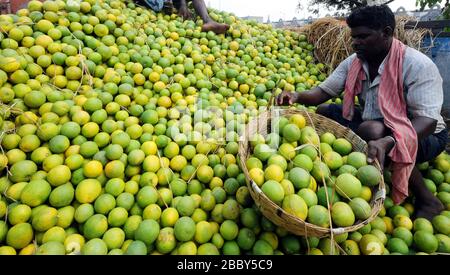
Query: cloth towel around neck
[[394, 110]]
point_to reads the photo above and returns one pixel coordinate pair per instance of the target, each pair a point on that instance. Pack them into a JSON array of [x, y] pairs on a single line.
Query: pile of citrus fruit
[[119, 130]]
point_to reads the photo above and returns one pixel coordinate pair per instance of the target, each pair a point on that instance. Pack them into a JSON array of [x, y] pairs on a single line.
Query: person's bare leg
[[368, 130], [371, 130], [426, 204], [208, 23], [322, 109]]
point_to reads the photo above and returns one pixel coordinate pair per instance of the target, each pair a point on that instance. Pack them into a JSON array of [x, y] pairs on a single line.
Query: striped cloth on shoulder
[[394, 110]]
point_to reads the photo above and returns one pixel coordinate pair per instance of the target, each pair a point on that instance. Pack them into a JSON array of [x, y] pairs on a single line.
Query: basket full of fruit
[[308, 174]]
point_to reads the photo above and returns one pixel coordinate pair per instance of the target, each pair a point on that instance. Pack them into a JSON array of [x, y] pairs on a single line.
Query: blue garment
[[155, 5]]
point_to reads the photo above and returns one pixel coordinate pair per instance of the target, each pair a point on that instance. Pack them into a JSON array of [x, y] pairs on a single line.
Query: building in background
[[426, 15], [431, 14], [376, 2], [259, 19]]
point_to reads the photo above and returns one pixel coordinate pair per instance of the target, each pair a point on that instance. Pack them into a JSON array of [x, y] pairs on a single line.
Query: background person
[[183, 11]]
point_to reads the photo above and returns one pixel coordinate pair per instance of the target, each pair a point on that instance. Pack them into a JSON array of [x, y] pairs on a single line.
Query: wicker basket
[[276, 214]]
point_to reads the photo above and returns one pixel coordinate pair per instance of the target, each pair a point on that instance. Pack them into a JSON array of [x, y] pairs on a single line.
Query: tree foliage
[[339, 5], [342, 6], [429, 3]]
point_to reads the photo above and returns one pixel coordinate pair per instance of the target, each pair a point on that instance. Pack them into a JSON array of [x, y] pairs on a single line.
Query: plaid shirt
[[422, 87]]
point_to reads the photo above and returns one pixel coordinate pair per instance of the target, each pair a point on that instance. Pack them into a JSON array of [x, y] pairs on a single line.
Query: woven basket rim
[[261, 200]]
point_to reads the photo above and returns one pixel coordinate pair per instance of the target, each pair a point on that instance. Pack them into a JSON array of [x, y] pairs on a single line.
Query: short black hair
[[374, 17]]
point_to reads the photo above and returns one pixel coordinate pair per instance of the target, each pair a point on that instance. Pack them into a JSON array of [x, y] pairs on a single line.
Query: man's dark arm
[[183, 10], [315, 96], [424, 126]]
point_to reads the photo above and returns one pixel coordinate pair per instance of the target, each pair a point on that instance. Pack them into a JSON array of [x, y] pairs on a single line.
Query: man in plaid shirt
[[400, 99]]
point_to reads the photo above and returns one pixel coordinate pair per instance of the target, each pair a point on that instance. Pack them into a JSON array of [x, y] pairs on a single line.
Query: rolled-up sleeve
[[424, 90], [335, 83]]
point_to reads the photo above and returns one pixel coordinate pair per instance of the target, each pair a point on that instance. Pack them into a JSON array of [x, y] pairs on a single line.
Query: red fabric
[[394, 110]]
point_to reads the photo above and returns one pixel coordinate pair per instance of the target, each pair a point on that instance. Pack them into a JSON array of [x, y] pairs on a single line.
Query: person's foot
[[215, 27], [428, 209]]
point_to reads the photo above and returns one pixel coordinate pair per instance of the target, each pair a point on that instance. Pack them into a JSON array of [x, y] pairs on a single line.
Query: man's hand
[[286, 98], [168, 7], [183, 11], [378, 150]]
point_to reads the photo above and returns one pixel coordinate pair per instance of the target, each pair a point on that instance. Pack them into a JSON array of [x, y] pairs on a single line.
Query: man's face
[[367, 42]]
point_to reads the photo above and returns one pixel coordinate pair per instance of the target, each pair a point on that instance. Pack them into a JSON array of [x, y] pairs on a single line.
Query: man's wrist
[[183, 3], [297, 97], [391, 141], [391, 138]]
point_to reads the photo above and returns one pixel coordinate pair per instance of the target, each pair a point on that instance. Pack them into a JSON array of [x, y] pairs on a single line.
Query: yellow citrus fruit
[[403, 221], [366, 193], [257, 175], [114, 169], [298, 120], [93, 169], [151, 163], [55, 233], [73, 243], [169, 217], [389, 224], [88, 190], [19, 236], [59, 175], [28, 250], [274, 172], [178, 162]]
